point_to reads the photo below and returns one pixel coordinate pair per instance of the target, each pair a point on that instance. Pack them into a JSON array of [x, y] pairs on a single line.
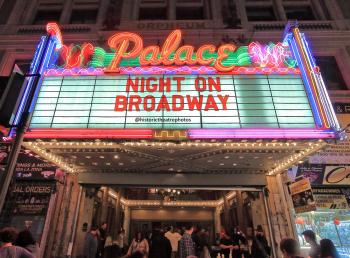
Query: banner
[[337, 175], [314, 172], [302, 197], [31, 198], [331, 198], [31, 166]]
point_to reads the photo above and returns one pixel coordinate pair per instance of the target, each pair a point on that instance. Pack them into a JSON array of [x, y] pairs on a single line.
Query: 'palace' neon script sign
[[128, 50]]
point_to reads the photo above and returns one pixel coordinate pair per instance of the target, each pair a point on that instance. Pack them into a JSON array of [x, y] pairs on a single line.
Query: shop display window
[[326, 223]]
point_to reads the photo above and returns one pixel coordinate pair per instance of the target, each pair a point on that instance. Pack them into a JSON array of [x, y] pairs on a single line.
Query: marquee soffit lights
[[40, 148]]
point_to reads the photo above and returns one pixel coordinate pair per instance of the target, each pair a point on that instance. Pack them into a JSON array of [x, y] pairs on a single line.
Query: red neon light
[[53, 29], [90, 133], [121, 42], [171, 69]]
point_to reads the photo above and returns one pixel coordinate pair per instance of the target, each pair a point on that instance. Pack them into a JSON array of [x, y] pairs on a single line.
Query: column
[[118, 209], [279, 216], [171, 6], [217, 220], [102, 12], [30, 12], [227, 216], [66, 12], [280, 10], [15, 16], [319, 12], [215, 7], [242, 12], [241, 221], [135, 10], [126, 224], [336, 13], [104, 207]]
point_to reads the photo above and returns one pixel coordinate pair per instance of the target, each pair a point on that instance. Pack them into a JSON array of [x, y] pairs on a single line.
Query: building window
[[299, 13], [83, 16], [330, 72], [153, 13], [255, 13], [190, 13], [45, 16]]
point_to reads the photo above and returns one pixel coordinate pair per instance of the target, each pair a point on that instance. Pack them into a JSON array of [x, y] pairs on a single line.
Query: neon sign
[[128, 50]]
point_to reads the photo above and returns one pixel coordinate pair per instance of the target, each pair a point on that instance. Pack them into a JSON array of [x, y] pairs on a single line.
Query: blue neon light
[[29, 82], [40, 54], [308, 88]]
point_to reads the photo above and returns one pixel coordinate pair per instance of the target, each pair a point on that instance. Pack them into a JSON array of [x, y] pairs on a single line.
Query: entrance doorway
[[150, 209]]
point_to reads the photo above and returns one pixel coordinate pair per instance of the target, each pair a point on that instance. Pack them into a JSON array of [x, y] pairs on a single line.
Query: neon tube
[[259, 133], [90, 133]]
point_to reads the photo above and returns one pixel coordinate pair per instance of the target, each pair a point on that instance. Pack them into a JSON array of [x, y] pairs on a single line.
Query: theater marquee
[[254, 91]]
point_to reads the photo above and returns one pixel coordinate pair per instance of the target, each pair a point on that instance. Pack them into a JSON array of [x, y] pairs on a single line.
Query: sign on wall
[[332, 198], [302, 197]]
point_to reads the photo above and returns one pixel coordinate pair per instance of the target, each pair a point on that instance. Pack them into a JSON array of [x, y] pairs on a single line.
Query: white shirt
[[174, 239]]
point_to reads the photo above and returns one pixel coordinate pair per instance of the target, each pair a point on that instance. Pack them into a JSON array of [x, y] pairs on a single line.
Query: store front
[[227, 118]]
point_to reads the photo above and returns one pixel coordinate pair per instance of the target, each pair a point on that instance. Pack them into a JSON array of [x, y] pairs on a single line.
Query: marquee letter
[[120, 42], [222, 55], [153, 59], [188, 57], [120, 103], [182, 103], [199, 54], [170, 45], [145, 102]]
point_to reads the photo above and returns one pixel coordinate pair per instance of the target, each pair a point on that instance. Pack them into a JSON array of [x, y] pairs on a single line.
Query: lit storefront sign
[[253, 91]]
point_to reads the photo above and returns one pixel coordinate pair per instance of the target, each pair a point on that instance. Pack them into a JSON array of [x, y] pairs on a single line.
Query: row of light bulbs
[[296, 158], [50, 157]]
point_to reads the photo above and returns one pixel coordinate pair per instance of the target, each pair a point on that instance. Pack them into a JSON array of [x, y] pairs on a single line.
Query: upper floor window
[[83, 16], [331, 73], [190, 13], [260, 13], [299, 13], [153, 13], [45, 16]]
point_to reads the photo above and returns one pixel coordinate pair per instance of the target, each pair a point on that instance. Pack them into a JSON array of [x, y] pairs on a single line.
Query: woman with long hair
[[139, 244], [328, 249]]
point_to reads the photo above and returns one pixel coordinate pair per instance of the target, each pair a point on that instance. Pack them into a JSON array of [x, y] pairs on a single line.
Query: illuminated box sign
[[173, 102], [253, 91]]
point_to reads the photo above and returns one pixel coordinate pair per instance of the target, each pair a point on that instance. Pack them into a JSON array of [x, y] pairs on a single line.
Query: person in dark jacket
[[260, 246], [102, 235], [310, 238], [91, 243], [290, 248], [26, 240], [161, 247], [328, 249], [8, 250]]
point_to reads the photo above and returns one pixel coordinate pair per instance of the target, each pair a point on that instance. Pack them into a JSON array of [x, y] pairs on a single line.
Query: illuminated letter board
[[253, 91]]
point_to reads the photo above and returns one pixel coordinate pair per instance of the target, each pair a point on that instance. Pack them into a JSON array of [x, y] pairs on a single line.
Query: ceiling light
[[221, 164], [116, 156], [94, 163], [234, 164], [226, 157], [120, 163], [209, 161], [88, 157], [133, 161], [241, 157], [102, 157], [108, 164]]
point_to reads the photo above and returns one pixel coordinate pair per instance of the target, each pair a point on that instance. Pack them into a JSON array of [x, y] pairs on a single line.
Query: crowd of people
[[194, 242], [187, 242]]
